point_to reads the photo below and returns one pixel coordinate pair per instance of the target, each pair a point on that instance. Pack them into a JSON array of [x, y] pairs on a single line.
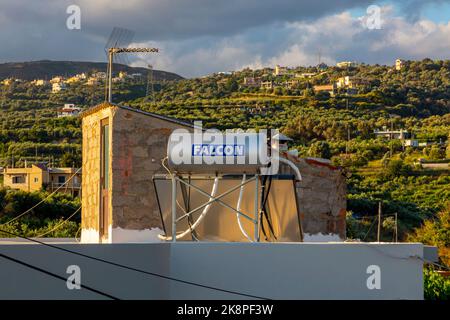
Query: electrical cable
[[4, 256], [59, 224], [370, 228], [76, 235], [434, 263], [263, 229], [189, 220], [264, 209], [136, 269]]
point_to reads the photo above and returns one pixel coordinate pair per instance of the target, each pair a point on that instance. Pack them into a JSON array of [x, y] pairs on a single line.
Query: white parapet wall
[[231, 270], [119, 235]]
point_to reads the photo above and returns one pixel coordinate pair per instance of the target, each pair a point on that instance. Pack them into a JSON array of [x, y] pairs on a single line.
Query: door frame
[[104, 196]]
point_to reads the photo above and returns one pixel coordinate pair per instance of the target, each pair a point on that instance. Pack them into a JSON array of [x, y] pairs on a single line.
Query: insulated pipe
[[238, 208], [199, 219], [293, 167]]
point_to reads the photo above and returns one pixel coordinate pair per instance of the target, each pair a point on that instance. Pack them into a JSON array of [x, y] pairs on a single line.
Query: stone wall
[[139, 145], [321, 199], [90, 183]]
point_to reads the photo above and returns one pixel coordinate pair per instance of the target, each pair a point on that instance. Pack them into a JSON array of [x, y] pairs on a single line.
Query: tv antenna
[[119, 38], [111, 53], [119, 42]]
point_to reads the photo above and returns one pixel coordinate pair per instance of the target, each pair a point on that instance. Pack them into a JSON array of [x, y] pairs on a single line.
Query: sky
[[199, 37]]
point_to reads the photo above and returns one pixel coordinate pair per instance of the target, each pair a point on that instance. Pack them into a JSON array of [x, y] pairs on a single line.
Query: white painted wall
[[319, 237], [90, 236]]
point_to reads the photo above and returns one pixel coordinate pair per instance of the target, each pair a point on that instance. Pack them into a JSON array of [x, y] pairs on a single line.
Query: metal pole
[[110, 61], [379, 222], [396, 228], [256, 208], [174, 209]]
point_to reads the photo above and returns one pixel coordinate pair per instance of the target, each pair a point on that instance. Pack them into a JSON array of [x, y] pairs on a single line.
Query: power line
[[435, 264], [59, 224], [56, 276], [137, 270], [370, 228]]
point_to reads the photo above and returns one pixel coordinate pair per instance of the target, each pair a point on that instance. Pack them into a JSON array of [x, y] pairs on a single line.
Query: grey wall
[[276, 271]]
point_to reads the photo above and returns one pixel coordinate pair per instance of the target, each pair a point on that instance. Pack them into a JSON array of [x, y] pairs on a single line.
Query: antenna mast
[[111, 53], [149, 93]]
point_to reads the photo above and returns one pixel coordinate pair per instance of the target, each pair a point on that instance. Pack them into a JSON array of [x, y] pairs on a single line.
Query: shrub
[[435, 286], [68, 229], [396, 168], [320, 149], [436, 232]]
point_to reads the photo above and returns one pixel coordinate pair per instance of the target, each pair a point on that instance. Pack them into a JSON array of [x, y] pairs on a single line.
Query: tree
[[70, 160], [320, 149], [436, 153], [232, 85], [277, 91], [436, 232], [396, 168]]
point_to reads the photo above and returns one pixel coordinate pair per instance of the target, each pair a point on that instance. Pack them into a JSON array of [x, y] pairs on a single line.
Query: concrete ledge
[[268, 270]]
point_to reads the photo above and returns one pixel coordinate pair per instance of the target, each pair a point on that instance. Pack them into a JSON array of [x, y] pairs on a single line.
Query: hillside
[[46, 69], [338, 125]]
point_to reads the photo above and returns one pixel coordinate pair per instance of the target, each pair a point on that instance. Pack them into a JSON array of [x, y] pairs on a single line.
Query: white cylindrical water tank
[[216, 153]]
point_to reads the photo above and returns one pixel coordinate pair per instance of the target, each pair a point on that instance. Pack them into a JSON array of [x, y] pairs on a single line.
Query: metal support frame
[[174, 209], [217, 199], [256, 209]]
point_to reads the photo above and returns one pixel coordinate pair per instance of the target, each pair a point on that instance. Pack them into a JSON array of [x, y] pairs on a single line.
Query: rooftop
[[105, 105]]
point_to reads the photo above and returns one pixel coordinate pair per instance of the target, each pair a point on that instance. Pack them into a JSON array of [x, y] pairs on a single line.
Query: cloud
[[198, 37], [336, 38], [37, 29], [180, 19]]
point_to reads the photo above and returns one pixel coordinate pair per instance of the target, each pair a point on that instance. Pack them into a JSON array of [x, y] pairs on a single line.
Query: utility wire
[[370, 228], [59, 224], [137, 270], [55, 276], [37, 204], [435, 264]]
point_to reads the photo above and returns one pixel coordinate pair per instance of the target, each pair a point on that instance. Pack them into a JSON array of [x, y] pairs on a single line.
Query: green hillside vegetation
[[339, 127], [46, 69]]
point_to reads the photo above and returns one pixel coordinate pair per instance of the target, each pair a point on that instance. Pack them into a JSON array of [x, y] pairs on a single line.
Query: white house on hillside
[[69, 110]]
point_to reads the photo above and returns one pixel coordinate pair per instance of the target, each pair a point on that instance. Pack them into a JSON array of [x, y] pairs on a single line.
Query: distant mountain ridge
[[47, 69]]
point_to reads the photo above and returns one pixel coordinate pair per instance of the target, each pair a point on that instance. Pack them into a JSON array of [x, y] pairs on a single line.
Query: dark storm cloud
[[203, 36], [174, 19], [37, 29]]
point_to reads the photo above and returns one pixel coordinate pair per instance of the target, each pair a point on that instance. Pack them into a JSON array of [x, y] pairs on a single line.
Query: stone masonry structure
[[322, 199], [125, 209], [137, 145]]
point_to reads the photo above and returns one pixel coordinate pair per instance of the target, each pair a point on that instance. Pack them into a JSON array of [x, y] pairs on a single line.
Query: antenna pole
[[111, 52], [396, 228], [109, 75]]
